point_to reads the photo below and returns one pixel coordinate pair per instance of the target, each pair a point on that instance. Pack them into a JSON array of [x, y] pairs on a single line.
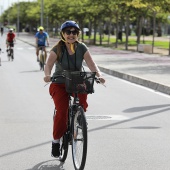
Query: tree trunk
[[127, 31], [109, 31], [95, 31], [139, 30], [154, 26], [116, 43], [100, 32]]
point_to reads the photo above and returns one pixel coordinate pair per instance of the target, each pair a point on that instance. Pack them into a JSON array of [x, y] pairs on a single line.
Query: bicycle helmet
[[11, 29], [41, 28], [69, 24]]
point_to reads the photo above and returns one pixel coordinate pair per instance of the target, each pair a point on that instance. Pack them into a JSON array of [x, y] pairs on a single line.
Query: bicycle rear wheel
[[79, 139], [63, 148]]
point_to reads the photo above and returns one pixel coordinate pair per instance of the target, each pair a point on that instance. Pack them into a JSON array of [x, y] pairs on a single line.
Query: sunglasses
[[68, 32]]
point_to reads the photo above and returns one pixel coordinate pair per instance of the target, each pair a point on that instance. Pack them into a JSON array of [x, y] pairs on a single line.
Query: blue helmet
[[69, 24]]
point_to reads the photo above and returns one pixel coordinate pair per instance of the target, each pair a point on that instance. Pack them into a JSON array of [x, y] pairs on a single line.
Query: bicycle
[[42, 57], [76, 135], [10, 51]]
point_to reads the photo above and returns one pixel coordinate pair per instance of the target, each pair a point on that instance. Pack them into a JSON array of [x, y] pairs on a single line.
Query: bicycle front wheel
[[42, 62], [12, 54], [79, 139]]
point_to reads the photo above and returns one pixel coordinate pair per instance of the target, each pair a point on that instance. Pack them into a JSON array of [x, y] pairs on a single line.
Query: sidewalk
[[149, 70]]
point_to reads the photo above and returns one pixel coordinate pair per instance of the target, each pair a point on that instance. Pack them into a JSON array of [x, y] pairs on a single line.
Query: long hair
[[59, 47]]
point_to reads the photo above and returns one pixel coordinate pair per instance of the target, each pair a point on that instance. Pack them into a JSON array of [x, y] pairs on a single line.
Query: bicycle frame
[[71, 113]]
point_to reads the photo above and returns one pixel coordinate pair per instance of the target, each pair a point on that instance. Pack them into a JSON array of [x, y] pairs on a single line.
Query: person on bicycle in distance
[[41, 38], [67, 54], [2, 30], [10, 39]]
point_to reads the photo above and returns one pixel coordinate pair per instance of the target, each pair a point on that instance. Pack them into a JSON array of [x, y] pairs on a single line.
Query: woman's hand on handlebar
[[47, 78], [100, 80]]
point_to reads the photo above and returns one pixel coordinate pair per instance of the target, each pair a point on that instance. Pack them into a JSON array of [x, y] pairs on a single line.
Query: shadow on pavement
[[144, 108], [23, 149], [31, 71], [48, 165]]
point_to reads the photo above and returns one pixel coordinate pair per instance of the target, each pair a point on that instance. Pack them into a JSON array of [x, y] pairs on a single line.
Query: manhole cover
[[98, 117], [106, 117]]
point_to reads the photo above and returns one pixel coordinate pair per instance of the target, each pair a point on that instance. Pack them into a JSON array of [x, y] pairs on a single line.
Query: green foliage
[[100, 15], [84, 11]]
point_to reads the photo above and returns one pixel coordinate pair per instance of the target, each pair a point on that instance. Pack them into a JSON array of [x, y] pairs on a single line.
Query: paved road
[[149, 70], [131, 133]]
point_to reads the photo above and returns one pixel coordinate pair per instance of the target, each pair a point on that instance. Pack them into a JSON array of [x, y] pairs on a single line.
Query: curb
[[25, 42], [137, 80], [30, 43]]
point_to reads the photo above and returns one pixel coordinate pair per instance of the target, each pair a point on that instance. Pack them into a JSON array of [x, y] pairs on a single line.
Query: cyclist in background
[[41, 39], [2, 30], [67, 54], [10, 39]]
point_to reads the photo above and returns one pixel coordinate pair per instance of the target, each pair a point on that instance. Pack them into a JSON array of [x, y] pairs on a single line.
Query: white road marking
[[31, 48], [140, 86], [28, 48]]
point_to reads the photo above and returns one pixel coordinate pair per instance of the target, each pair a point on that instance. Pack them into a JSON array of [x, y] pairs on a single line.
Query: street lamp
[[1, 8], [42, 10], [169, 45], [47, 23], [169, 34], [18, 28]]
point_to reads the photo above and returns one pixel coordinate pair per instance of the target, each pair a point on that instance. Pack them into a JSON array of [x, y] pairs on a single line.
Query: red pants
[[61, 101]]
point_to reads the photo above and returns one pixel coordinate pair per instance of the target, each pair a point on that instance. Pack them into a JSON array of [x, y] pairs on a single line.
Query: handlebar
[[97, 79], [53, 79]]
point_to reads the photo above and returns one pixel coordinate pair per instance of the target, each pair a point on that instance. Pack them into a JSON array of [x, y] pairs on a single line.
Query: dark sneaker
[[55, 150]]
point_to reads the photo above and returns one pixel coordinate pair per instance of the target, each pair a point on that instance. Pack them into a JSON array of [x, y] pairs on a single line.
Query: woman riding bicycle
[[67, 54]]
